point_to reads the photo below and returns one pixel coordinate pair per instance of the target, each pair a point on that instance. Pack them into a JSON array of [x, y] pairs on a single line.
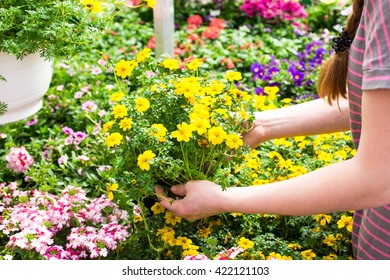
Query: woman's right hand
[[256, 135]]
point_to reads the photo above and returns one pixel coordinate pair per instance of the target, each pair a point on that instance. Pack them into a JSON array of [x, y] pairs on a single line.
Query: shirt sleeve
[[376, 62]]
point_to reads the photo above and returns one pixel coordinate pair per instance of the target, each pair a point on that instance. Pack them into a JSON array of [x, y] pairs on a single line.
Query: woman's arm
[[309, 118], [357, 183]]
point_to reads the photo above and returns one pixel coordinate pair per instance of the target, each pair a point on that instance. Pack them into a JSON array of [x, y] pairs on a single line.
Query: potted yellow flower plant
[[171, 122]]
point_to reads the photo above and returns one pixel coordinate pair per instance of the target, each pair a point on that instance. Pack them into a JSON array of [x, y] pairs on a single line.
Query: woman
[[362, 182]]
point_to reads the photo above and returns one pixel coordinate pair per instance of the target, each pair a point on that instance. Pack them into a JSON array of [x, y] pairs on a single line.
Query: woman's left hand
[[200, 199]]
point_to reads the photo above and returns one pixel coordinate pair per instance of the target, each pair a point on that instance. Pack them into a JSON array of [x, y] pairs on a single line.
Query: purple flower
[[258, 70], [298, 77], [259, 91]]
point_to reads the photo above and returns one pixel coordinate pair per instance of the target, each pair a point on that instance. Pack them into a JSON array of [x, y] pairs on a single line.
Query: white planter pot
[[26, 83]]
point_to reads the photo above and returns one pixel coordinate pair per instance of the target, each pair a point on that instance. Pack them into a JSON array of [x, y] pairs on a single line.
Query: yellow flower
[[194, 64], [119, 111], [142, 104], [138, 218], [294, 246], [274, 256], [171, 64], [144, 160], [323, 219], [183, 132], [144, 54], [115, 97], [234, 141], [151, 3], [159, 131], [233, 76], [157, 208], [108, 125], [124, 68], [271, 92], [126, 123], [216, 87], [92, 5], [252, 163], [204, 232], [200, 125], [184, 242], [331, 256], [170, 218], [330, 240], [245, 243], [308, 254], [345, 221], [114, 139], [216, 135], [110, 189], [191, 251]]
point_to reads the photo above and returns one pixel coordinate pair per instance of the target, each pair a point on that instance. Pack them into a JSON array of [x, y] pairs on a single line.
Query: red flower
[[210, 33], [218, 23], [152, 43], [195, 20]]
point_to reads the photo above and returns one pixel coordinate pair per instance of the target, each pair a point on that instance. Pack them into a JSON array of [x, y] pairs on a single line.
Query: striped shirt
[[369, 68]]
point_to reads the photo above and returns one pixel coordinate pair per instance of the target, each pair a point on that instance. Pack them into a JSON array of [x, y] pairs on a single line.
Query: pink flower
[[78, 94], [32, 122], [63, 159], [78, 137], [96, 70], [198, 257], [56, 253], [102, 62], [231, 253], [67, 130], [69, 140], [89, 106], [19, 160]]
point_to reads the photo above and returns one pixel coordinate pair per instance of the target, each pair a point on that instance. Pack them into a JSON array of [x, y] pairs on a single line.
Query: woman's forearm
[[309, 118], [339, 187]]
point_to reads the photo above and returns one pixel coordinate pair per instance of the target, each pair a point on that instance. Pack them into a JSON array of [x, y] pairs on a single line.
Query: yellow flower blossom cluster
[[168, 124]]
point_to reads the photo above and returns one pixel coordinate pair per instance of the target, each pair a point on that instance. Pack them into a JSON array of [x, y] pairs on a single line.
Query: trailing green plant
[[3, 108], [53, 28]]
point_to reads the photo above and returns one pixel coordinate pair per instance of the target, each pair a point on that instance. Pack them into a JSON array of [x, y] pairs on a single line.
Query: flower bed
[[60, 173]]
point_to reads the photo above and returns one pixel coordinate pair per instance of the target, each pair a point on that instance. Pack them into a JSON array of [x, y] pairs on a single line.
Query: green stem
[[158, 250]]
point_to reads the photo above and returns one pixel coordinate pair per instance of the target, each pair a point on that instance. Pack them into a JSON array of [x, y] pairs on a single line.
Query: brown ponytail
[[332, 81]]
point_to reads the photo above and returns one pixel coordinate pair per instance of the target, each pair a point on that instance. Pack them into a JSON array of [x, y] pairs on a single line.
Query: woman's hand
[[256, 135], [200, 199]]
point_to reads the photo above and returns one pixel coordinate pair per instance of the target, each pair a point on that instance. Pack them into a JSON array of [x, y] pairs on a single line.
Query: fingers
[[164, 200], [179, 190]]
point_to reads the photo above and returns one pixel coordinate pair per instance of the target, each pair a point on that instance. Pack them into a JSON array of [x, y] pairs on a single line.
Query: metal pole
[[164, 27]]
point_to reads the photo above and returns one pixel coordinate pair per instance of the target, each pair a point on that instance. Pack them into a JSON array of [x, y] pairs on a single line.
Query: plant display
[[76, 179], [172, 122]]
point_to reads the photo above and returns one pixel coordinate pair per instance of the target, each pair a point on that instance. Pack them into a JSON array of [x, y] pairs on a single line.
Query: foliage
[[53, 28], [329, 14]]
